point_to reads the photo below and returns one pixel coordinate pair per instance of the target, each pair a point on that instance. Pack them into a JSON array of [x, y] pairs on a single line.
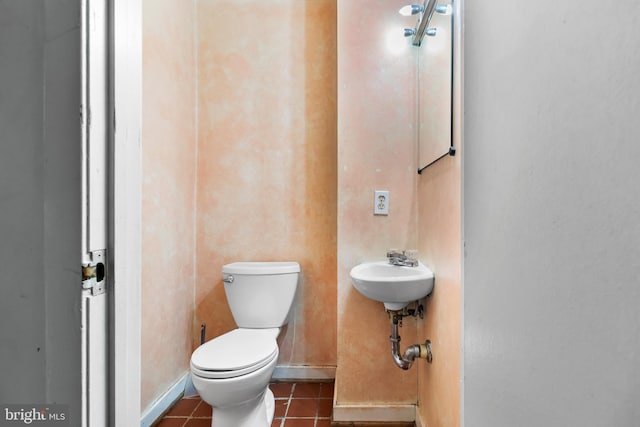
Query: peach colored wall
[[439, 228], [267, 160], [168, 146], [377, 151]]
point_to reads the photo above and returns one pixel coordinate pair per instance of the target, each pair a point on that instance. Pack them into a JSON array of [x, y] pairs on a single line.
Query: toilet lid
[[239, 350]]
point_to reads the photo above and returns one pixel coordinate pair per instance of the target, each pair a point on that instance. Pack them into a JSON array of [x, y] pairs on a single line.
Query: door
[[52, 331], [53, 209], [40, 206]]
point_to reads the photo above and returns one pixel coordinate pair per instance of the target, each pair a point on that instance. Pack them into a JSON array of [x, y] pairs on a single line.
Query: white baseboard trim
[[164, 402], [418, 420], [373, 413], [304, 373]]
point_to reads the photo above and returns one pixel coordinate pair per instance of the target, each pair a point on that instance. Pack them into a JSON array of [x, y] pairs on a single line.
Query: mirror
[[435, 67]]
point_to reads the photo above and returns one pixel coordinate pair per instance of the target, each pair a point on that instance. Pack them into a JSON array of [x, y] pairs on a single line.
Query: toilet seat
[[235, 353]]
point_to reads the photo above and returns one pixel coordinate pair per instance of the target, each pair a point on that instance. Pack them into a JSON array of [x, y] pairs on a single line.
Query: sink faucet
[[403, 258]]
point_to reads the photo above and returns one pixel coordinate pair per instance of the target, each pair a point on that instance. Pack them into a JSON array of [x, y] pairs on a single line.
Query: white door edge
[[94, 253]]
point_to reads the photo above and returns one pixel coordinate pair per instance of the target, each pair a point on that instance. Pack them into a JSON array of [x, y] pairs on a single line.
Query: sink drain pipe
[[416, 351]]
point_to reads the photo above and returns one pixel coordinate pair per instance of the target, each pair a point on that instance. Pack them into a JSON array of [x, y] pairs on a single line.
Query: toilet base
[[270, 405], [256, 412]]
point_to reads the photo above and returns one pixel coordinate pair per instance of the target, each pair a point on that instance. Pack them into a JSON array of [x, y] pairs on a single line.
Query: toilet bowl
[[232, 371]]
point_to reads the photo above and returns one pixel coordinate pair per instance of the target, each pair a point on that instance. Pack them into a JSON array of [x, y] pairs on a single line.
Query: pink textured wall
[[168, 146], [377, 151], [267, 160], [439, 227]]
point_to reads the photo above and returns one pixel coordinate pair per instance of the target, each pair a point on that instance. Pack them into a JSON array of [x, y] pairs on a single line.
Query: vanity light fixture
[[431, 32], [425, 12]]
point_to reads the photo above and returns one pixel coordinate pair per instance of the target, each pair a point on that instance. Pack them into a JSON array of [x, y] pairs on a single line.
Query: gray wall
[[551, 214], [40, 203]]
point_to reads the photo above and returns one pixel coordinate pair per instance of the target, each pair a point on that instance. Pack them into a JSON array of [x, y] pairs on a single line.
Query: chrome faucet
[[403, 259]]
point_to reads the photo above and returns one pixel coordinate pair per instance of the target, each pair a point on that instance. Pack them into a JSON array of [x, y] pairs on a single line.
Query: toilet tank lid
[[255, 268]]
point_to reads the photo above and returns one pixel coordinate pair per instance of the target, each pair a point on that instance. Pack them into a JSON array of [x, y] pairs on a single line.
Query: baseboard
[[391, 414], [304, 373], [373, 424], [164, 402], [383, 413]]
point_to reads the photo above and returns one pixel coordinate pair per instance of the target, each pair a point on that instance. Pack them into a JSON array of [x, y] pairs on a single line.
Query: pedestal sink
[[395, 286]]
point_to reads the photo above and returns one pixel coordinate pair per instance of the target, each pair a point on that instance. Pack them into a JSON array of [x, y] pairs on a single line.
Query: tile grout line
[[315, 419], [195, 408], [283, 422]]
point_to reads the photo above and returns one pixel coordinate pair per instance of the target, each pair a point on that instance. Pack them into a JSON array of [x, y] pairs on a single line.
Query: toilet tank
[[260, 294]]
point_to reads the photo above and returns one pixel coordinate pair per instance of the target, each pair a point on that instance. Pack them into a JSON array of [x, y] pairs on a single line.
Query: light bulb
[[410, 9], [444, 9], [408, 32]]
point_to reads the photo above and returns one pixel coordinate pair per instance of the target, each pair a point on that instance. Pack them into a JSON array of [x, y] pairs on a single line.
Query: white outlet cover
[[381, 202]]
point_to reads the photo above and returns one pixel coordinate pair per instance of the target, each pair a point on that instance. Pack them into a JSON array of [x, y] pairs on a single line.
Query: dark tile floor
[[297, 405]]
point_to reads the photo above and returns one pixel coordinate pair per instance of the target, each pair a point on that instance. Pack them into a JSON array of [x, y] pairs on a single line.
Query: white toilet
[[232, 372]]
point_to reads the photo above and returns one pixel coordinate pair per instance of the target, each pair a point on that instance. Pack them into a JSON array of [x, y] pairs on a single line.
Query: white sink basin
[[393, 285]]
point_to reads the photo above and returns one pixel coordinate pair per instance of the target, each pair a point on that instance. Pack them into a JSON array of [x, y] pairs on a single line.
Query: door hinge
[[94, 273]]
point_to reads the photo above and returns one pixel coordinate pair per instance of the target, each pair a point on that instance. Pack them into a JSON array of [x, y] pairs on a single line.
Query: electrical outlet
[[381, 202]]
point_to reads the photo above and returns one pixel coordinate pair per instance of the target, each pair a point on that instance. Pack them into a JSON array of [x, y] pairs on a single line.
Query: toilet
[[232, 372]]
